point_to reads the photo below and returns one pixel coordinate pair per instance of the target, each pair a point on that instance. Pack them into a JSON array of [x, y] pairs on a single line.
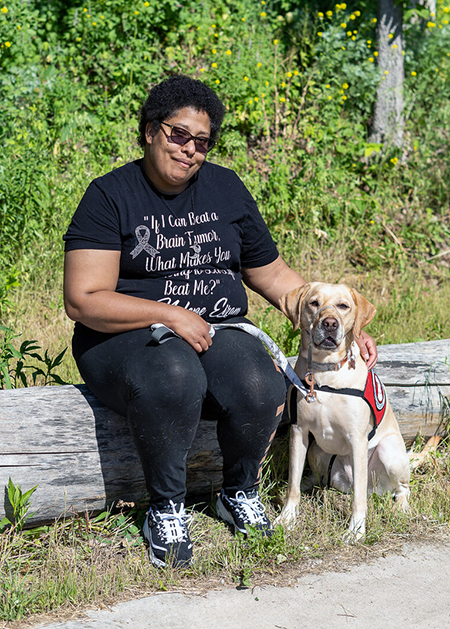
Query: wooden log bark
[[81, 456]]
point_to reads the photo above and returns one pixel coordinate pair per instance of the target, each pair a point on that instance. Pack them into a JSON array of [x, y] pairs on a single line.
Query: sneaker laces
[[171, 526], [249, 508]]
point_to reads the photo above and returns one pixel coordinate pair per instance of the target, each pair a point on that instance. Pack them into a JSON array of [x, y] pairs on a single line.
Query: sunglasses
[[181, 136]]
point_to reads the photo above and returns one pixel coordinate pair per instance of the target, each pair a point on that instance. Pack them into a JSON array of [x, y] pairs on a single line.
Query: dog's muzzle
[[327, 331]]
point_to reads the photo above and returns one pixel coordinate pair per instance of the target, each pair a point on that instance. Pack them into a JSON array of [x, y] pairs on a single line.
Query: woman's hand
[[368, 349], [190, 326]]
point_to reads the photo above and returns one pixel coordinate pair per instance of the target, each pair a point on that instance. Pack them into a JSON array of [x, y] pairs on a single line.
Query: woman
[[169, 239]]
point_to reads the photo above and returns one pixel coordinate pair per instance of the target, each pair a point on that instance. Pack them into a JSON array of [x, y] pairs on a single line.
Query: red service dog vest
[[374, 394]]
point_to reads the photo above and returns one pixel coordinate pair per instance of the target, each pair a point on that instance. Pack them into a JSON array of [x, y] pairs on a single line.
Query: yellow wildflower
[[344, 97], [266, 83], [329, 14], [243, 19], [296, 73], [263, 14], [85, 10], [369, 41], [214, 65], [283, 84], [353, 17], [275, 42], [357, 13], [353, 38], [375, 54], [446, 10], [250, 100], [320, 34], [262, 94], [5, 10], [394, 46], [8, 44], [213, 26], [246, 78], [431, 24], [214, 51], [374, 20], [94, 23], [394, 160], [349, 33], [371, 59], [136, 12], [391, 36], [343, 47], [217, 81], [345, 86], [344, 25], [320, 14], [289, 74], [228, 52], [327, 87], [259, 64], [282, 99], [202, 69], [146, 4], [386, 72], [413, 73], [343, 6]]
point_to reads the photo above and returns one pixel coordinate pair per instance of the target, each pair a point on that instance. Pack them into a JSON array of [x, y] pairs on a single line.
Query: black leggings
[[163, 390]]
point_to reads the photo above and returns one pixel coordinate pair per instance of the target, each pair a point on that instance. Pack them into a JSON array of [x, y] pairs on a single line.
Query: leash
[[161, 334]]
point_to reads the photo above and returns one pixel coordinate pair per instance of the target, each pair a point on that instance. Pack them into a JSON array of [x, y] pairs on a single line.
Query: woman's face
[[170, 165]]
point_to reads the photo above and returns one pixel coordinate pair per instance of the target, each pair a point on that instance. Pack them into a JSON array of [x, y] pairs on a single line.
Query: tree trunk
[[388, 120]]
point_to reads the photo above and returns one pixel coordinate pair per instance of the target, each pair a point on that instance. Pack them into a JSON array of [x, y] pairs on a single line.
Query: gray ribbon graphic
[[143, 242]]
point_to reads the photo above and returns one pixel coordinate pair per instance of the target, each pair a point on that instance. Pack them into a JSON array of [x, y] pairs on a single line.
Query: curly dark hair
[[174, 93]]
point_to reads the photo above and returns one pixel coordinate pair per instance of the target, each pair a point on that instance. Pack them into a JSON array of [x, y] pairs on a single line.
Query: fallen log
[[81, 456]]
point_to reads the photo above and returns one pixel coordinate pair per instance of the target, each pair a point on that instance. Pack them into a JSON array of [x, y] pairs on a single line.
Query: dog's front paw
[[356, 531], [287, 516]]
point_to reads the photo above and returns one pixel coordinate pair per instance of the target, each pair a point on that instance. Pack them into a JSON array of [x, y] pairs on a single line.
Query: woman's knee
[[166, 375]]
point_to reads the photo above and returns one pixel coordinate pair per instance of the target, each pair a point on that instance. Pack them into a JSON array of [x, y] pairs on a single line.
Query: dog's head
[[329, 312]]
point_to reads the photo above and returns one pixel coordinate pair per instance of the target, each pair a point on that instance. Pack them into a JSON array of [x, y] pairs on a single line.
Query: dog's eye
[[343, 306], [314, 303]]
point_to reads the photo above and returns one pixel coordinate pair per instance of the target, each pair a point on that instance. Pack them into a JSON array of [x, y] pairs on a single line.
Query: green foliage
[[14, 370], [20, 504]]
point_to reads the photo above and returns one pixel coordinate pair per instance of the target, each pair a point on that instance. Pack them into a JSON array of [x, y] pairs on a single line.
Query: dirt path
[[404, 591]]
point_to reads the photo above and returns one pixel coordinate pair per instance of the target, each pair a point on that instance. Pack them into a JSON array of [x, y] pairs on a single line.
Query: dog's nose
[[330, 323]]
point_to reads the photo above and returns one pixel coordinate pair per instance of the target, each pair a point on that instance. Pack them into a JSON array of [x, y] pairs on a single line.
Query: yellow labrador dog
[[357, 445]]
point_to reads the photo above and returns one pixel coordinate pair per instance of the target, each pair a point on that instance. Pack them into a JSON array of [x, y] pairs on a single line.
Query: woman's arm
[[274, 280], [90, 280]]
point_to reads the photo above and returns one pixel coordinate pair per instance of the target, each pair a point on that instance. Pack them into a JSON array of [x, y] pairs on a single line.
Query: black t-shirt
[[187, 249]]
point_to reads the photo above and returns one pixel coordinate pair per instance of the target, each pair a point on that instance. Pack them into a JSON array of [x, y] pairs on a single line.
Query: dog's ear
[[365, 312], [291, 304]]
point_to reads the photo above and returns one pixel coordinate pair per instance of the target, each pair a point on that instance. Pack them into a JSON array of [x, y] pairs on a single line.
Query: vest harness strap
[[374, 395]]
